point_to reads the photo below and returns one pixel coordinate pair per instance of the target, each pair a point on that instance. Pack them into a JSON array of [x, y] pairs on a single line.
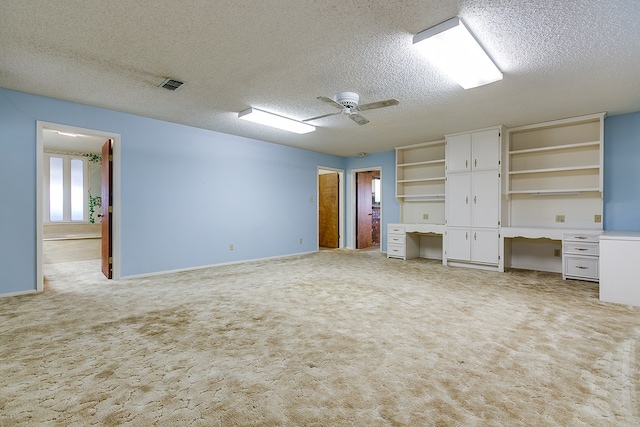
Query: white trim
[[354, 212], [115, 240], [15, 294], [341, 191], [202, 267]]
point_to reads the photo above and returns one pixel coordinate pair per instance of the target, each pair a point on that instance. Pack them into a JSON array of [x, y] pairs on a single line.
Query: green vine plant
[[94, 202]]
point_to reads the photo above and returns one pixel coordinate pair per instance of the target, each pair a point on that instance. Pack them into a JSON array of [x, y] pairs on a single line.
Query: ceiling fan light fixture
[[279, 122], [453, 48]]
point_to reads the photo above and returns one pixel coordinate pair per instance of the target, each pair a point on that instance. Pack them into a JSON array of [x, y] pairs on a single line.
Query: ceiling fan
[[347, 102]]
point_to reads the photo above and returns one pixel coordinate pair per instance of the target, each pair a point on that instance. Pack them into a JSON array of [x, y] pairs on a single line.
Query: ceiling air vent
[[171, 84]]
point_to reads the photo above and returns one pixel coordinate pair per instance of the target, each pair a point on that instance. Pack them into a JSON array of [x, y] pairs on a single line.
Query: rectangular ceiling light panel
[[454, 49], [273, 120]]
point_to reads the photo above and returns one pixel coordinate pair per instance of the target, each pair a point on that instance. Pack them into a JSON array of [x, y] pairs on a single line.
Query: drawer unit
[[400, 244], [577, 248], [580, 256], [396, 251], [580, 237], [581, 267]]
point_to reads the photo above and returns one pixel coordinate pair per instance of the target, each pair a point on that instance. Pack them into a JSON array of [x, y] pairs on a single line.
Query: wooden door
[[364, 210], [107, 208], [328, 210]]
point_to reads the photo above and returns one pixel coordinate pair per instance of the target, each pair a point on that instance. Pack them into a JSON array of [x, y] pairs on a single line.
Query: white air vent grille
[[171, 84]]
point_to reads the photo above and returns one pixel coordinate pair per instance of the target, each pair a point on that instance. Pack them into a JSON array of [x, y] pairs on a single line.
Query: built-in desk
[[619, 254], [572, 252], [408, 241]]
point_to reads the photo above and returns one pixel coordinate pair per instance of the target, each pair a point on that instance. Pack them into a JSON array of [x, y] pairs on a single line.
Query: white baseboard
[[200, 267], [15, 294]]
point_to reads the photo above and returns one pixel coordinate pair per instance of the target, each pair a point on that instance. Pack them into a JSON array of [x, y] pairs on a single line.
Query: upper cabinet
[[473, 151], [562, 156]]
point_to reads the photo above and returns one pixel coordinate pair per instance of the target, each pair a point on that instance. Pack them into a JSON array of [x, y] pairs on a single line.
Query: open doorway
[[368, 208], [330, 202], [69, 208]]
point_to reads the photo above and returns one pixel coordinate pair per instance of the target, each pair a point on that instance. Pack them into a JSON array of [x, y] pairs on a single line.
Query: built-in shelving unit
[[420, 171], [420, 182], [554, 173], [562, 156]]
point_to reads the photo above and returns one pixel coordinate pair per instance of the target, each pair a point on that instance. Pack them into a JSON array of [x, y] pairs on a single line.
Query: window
[[65, 188]]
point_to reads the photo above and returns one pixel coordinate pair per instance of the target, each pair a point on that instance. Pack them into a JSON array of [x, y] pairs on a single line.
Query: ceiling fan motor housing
[[348, 99]]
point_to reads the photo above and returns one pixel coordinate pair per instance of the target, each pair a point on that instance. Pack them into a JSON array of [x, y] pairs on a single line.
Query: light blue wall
[[622, 172], [390, 207], [186, 193]]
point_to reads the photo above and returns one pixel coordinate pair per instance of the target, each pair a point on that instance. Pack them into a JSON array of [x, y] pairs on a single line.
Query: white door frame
[[340, 205], [353, 197], [115, 227]]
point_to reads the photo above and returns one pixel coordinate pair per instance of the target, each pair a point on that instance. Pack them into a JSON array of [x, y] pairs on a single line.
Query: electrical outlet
[[559, 218], [425, 216], [301, 240], [312, 199], [231, 247], [556, 252], [597, 218]]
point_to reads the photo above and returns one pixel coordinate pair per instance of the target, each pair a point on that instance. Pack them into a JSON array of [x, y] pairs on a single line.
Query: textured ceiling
[[559, 59]]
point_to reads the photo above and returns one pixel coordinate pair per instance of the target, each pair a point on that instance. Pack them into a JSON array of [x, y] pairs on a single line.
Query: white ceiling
[[559, 59]]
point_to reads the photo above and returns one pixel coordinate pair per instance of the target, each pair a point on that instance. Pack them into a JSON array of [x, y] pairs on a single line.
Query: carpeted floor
[[334, 338]]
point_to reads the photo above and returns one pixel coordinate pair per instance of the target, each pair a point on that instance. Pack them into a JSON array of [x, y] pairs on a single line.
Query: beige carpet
[[335, 338]]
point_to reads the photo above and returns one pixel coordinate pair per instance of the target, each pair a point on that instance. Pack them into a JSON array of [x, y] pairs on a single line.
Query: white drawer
[[395, 239], [581, 267], [396, 250], [581, 237], [578, 248], [395, 229]]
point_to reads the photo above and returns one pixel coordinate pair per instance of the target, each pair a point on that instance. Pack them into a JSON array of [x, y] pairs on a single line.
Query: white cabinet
[[580, 256], [473, 196], [400, 244], [619, 267]]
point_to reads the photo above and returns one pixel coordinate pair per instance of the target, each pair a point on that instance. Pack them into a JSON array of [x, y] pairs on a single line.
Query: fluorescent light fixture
[[68, 134], [273, 120], [452, 47]]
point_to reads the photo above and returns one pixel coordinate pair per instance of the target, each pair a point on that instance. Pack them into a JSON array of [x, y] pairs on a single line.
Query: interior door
[[107, 208], [364, 210], [328, 210]]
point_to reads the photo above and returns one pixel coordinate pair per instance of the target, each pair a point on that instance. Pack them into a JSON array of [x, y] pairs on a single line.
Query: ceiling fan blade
[[379, 104], [322, 116], [358, 119], [331, 101]]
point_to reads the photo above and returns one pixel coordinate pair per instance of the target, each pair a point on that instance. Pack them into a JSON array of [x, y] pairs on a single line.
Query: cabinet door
[[485, 203], [485, 149], [458, 153], [458, 244], [485, 246], [458, 199]]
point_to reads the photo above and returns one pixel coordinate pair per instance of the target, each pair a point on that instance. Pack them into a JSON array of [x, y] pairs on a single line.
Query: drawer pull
[[581, 249], [582, 267], [581, 237]]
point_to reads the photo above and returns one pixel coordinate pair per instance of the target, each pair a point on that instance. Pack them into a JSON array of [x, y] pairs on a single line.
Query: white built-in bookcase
[[554, 172], [420, 182]]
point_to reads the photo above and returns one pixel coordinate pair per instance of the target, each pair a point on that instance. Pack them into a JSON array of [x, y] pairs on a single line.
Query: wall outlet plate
[[559, 218], [597, 218], [231, 247], [425, 216], [557, 252]]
